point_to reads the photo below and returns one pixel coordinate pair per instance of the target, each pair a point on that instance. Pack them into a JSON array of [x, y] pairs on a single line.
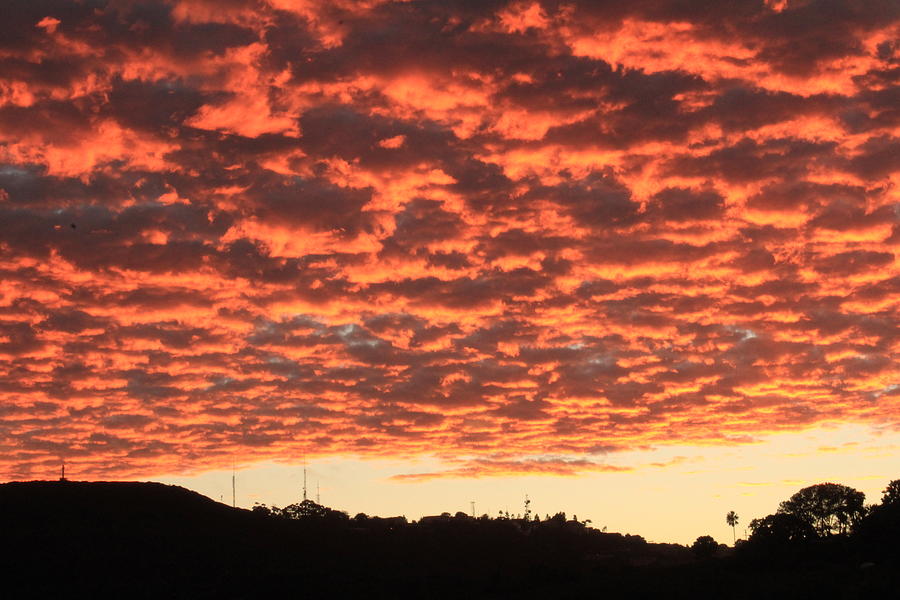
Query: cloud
[[485, 231], [506, 468]]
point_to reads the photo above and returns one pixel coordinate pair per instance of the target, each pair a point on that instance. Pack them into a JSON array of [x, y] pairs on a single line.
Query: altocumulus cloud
[[497, 232]]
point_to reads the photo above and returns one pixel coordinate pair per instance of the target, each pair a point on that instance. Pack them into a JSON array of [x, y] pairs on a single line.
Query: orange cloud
[[500, 468], [493, 231]]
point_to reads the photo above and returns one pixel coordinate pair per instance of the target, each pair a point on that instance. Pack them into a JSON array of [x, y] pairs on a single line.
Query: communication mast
[[318, 501]]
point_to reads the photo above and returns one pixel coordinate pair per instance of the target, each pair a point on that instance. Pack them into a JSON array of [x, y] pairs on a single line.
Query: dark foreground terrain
[[149, 540]]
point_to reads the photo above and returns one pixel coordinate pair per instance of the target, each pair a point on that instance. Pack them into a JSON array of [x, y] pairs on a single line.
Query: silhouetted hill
[[149, 540], [84, 504], [131, 538]]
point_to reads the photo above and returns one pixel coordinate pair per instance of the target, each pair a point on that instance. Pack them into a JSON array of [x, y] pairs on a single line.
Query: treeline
[[820, 525], [826, 514], [462, 543], [819, 522], [307, 509]]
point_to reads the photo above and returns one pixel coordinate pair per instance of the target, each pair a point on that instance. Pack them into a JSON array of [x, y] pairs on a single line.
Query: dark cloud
[[421, 223], [598, 201], [684, 205], [748, 160], [156, 106], [857, 261], [313, 203]]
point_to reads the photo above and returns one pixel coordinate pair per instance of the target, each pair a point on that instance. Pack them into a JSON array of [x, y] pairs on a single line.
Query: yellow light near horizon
[[673, 494]]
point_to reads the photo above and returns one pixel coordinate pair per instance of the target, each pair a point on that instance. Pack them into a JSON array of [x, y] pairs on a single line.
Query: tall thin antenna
[[304, 480], [62, 476], [318, 501]]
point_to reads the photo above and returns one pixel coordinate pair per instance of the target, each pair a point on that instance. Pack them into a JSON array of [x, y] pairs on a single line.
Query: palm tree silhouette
[[732, 519]]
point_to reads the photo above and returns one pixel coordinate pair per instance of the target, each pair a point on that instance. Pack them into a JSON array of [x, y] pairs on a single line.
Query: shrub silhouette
[[705, 547]]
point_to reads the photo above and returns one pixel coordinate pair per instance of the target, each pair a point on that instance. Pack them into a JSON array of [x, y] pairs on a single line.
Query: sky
[[615, 255]]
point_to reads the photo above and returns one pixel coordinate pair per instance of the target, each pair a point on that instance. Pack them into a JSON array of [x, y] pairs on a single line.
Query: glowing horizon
[[670, 495], [502, 239]]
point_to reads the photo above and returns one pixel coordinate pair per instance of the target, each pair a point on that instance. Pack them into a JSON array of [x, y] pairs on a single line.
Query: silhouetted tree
[[780, 529], [307, 509], [880, 528], [830, 508], [732, 519], [705, 547], [891, 494]]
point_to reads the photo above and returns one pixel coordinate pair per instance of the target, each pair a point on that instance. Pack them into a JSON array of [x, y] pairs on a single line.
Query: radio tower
[[317, 493], [304, 481]]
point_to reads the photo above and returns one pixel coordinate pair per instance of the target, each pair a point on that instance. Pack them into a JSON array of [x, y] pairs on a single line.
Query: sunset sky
[[635, 259]]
